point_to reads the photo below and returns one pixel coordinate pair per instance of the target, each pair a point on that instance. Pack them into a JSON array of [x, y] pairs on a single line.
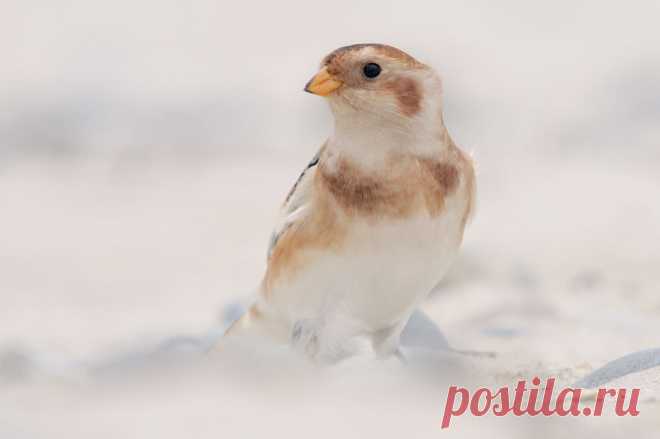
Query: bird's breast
[[371, 246], [405, 186], [379, 271]]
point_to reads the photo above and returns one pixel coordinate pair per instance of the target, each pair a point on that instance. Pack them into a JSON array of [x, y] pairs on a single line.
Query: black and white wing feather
[[296, 203]]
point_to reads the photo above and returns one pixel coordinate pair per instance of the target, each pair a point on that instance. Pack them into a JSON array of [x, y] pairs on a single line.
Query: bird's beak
[[323, 83]]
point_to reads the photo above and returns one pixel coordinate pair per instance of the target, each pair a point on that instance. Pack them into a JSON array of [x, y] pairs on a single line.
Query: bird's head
[[379, 86]]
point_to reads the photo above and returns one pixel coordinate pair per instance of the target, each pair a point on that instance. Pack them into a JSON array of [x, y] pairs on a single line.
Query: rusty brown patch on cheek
[[407, 94]]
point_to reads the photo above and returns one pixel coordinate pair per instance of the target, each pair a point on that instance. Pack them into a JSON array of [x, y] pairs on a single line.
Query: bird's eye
[[371, 70]]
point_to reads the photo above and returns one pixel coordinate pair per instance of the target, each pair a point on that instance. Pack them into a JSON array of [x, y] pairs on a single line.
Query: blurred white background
[[146, 145]]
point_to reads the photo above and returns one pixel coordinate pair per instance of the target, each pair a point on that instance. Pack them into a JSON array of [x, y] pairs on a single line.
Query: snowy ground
[[140, 171], [132, 260]]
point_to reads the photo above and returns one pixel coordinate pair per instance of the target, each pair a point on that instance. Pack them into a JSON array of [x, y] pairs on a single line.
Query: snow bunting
[[376, 218]]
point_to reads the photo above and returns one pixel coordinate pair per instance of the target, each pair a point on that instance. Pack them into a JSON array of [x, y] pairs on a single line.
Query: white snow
[[145, 148]]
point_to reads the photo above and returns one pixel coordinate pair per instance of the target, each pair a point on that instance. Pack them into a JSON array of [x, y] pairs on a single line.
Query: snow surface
[[145, 148]]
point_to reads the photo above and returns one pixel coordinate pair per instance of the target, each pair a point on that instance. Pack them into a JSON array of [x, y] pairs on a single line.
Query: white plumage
[[374, 222]]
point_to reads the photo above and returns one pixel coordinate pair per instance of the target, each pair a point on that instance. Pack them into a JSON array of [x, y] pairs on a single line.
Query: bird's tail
[[255, 323], [245, 322]]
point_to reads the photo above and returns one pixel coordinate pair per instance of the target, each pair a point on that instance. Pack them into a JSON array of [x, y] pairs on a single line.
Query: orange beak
[[323, 83]]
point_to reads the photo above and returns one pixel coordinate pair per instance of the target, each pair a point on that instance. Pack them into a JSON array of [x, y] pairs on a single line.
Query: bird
[[375, 219]]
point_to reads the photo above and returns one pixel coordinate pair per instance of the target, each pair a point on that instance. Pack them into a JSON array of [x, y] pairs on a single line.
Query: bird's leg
[[305, 337], [386, 340], [329, 341]]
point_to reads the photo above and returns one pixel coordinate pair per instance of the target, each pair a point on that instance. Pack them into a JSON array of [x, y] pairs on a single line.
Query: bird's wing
[[296, 202]]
